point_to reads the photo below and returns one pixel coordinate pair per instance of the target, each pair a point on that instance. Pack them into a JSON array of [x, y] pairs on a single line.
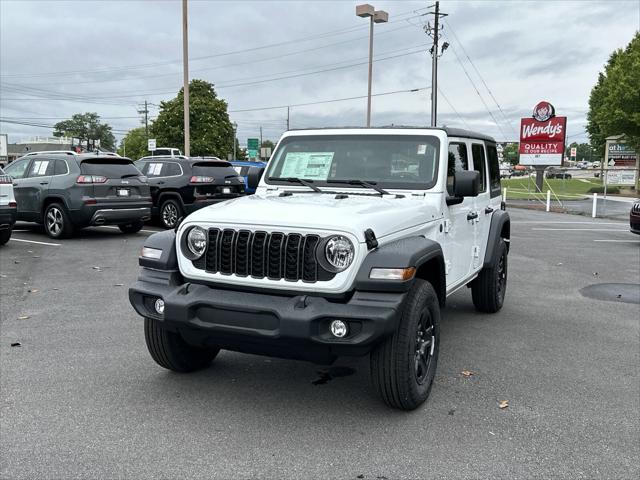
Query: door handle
[[15, 184], [472, 215], [160, 183], [44, 183], [488, 210]]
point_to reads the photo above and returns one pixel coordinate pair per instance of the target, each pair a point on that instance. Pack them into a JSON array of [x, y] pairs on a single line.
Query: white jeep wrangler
[[350, 246]]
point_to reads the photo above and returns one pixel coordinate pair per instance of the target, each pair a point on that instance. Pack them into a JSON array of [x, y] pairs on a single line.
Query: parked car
[[634, 218], [582, 165], [557, 173], [67, 192], [242, 167], [180, 186], [595, 165], [350, 246], [8, 207], [165, 151]]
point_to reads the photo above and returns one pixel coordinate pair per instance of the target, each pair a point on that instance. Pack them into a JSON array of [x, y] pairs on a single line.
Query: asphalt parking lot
[[81, 397]]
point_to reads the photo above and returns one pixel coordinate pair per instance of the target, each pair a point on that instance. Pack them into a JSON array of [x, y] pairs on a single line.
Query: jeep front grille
[[261, 254]]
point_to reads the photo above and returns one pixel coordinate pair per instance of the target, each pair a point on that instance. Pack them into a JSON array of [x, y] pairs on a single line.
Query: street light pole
[[379, 16], [435, 32], [185, 69]]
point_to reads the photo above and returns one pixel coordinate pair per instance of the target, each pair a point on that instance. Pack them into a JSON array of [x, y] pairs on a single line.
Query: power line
[[42, 94], [453, 108], [477, 91], [169, 62], [481, 78]]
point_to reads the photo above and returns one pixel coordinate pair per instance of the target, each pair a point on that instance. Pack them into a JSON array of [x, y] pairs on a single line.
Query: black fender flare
[[57, 198], [419, 252], [500, 229], [175, 195], [165, 241]]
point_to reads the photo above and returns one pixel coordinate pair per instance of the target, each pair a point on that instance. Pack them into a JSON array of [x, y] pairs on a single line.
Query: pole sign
[[574, 152], [253, 145], [3, 146], [151, 144], [542, 137]]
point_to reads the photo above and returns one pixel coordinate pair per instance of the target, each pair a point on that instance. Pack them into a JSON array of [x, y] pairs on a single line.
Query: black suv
[[65, 192], [180, 186]]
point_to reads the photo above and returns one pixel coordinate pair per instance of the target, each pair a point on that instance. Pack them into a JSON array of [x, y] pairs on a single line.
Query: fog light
[[159, 306], [339, 329]]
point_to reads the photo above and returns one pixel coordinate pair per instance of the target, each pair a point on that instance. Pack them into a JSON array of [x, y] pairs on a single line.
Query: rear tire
[[403, 366], [170, 213], [489, 288], [133, 227], [57, 223], [5, 235], [170, 351]]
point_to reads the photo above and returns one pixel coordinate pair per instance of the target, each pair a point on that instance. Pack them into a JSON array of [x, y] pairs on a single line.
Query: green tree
[[134, 144], [583, 151], [614, 103], [211, 131], [86, 126], [511, 153]]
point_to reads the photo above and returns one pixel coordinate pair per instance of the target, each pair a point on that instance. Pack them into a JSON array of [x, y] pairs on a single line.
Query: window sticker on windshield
[[311, 165], [422, 149]]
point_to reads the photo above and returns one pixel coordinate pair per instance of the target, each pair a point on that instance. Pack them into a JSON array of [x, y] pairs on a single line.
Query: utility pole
[[185, 69], [288, 117], [260, 136], [435, 33], [145, 112]]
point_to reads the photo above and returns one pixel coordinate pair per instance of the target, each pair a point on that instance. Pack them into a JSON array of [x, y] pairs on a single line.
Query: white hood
[[322, 211]]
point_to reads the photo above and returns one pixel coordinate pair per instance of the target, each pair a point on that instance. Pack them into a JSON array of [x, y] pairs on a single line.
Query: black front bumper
[[267, 324], [7, 216]]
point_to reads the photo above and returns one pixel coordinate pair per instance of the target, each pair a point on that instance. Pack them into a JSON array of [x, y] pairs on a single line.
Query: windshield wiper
[[301, 181], [363, 183]]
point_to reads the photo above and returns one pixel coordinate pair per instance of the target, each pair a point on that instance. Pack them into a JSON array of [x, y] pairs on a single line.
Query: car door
[[460, 226], [18, 171], [153, 170], [482, 204], [36, 184]]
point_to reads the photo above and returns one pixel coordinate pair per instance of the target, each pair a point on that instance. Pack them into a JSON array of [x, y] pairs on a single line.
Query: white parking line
[[33, 241], [619, 241], [568, 223], [116, 228], [579, 229]]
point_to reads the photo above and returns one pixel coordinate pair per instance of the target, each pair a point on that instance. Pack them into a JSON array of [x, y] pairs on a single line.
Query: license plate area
[[226, 190], [122, 192]]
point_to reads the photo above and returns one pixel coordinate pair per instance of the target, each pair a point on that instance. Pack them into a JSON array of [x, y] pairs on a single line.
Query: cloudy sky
[[58, 58]]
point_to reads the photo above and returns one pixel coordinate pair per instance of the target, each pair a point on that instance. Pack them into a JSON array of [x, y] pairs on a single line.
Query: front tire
[[133, 227], [403, 366], [489, 288], [5, 235], [57, 223], [170, 213], [169, 350]]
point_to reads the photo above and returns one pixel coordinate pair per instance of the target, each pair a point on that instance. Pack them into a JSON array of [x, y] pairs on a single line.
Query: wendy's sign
[[542, 137]]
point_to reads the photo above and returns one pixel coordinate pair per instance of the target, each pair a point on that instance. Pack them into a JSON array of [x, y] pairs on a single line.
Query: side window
[[153, 169], [18, 168], [494, 171], [458, 161], [480, 165], [41, 168], [61, 167], [171, 169]]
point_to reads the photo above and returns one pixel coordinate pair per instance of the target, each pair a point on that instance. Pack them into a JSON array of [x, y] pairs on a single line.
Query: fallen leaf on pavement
[[33, 290], [467, 373], [503, 404], [23, 317], [16, 344]]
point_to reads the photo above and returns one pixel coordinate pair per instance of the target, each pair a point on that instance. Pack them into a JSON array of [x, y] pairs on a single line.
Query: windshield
[[391, 161]]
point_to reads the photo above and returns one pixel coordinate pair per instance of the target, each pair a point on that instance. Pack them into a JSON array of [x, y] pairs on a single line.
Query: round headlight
[[339, 252], [197, 241]]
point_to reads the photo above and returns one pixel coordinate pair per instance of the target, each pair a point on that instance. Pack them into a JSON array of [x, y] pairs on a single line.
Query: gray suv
[[67, 192]]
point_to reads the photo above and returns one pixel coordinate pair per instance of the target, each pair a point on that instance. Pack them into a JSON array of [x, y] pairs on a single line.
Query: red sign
[[542, 141]]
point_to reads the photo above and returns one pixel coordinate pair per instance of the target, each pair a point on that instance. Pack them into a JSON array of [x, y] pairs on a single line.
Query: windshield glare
[[393, 161]]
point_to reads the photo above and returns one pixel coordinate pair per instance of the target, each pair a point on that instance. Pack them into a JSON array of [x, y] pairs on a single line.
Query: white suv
[[8, 207], [350, 246]]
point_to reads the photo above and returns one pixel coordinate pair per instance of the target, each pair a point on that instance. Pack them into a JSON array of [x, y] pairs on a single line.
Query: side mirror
[[466, 183], [253, 176]]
